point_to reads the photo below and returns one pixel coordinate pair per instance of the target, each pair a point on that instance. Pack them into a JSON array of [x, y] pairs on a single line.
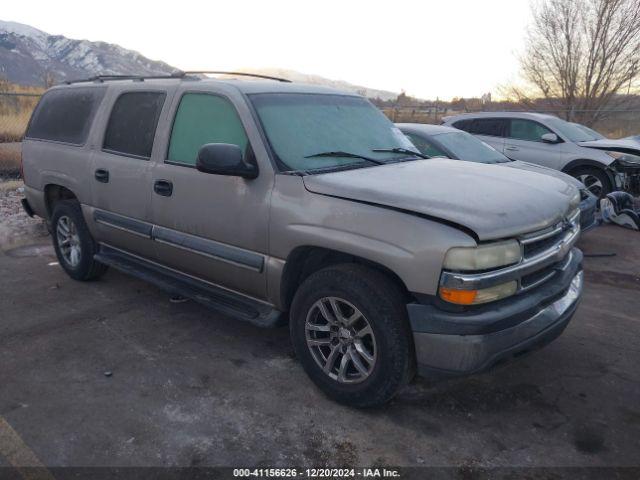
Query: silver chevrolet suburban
[[272, 202]]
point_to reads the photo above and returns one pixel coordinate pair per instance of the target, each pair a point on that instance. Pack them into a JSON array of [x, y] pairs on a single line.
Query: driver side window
[[527, 130], [203, 118]]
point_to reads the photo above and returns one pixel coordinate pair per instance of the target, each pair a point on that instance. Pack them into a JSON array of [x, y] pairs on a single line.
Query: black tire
[[382, 304], [594, 173], [86, 268]]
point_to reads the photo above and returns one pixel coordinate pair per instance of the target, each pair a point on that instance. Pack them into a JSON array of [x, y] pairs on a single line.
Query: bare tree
[[582, 56], [4, 84], [48, 79]]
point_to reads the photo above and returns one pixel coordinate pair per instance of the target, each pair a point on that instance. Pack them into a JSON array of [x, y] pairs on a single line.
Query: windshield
[[300, 127], [571, 131], [467, 147], [590, 131]]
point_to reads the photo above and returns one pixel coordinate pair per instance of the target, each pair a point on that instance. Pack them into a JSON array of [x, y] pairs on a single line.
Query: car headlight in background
[[484, 257], [625, 157]]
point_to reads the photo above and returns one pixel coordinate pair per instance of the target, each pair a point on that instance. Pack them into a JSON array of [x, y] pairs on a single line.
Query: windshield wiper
[[401, 150], [340, 153]]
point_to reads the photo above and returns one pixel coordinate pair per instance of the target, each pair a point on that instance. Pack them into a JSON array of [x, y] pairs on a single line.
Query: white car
[[602, 164]]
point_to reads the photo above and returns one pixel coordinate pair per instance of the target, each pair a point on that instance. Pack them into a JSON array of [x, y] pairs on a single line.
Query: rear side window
[[493, 127], [132, 124], [527, 130], [463, 125], [65, 115], [203, 118]]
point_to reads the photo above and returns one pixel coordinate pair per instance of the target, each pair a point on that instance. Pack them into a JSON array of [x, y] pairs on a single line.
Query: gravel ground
[[15, 225], [112, 374]]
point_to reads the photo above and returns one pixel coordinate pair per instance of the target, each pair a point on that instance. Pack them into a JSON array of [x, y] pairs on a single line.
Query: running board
[[216, 298]]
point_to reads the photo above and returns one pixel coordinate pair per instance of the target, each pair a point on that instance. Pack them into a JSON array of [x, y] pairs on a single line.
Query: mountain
[[28, 55], [295, 76]]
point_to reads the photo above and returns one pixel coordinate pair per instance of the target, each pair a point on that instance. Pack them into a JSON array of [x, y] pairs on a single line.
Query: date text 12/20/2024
[[316, 473]]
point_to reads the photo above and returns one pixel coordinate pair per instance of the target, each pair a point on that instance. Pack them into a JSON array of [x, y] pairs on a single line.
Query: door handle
[[102, 175], [163, 187], [512, 149]]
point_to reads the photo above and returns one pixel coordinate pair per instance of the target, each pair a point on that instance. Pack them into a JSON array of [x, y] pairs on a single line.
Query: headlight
[[476, 297], [484, 257], [625, 157]]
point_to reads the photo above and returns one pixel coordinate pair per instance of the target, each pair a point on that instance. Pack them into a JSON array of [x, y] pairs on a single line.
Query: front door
[[212, 227], [121, 172], [524, 142]]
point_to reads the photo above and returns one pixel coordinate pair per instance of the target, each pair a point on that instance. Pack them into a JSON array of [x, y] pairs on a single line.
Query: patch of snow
[[23, 30]]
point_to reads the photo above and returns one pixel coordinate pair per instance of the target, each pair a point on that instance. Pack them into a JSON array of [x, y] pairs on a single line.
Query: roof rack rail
[[141, 78], [242, 74], [176, 74]]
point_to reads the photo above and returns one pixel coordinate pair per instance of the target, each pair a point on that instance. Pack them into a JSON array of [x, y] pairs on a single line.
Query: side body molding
[[198, 245]]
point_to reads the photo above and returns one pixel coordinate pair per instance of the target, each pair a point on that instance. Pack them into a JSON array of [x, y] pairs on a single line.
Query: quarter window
[[204, 118], [133, 122], [527, 130], [65, 115]]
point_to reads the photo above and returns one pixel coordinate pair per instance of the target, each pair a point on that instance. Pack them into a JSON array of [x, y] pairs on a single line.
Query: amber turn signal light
[[461, 297]]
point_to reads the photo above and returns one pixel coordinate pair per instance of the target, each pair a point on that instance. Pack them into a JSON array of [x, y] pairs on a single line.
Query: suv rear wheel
[[73, 243], [350, 330], [596, 180]]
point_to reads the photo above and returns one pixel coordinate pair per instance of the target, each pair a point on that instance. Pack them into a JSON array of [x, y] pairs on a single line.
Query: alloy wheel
[[68, 241], [593, 183], [341, 340]]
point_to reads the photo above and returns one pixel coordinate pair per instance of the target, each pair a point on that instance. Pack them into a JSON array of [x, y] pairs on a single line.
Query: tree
[[582, 56], [4, 84], [48, 79]]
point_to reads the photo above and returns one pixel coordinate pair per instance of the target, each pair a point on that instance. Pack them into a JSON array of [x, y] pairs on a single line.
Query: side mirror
[[224, 159], [550, 138]]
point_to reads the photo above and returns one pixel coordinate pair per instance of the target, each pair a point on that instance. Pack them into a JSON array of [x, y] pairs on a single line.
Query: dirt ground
[[110, 373]]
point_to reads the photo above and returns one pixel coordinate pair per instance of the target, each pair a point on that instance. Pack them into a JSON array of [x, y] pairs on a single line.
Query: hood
[[531, 167], [492, 202], [624, 144]]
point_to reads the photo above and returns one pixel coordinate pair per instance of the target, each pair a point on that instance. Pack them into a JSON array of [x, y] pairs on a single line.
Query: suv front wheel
[[350, 331], [73, 242]]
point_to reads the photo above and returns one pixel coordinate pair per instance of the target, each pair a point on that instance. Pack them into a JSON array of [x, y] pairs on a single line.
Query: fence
[[617, 123], [15, 111]]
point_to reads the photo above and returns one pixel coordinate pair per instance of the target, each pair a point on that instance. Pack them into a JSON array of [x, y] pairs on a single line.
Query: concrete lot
[[191, 387]]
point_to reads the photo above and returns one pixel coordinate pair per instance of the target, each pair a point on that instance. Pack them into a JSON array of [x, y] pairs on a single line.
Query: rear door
[[212, 227], [489, 130], [524, 142], [121, 170]]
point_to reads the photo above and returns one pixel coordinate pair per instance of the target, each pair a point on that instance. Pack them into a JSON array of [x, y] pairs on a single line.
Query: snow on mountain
[[28, 55]]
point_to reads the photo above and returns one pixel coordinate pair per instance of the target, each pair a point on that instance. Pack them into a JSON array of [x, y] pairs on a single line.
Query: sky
[[430, 48]]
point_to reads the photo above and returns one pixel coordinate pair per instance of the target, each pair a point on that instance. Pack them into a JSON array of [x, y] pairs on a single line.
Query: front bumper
[[449, 344]]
